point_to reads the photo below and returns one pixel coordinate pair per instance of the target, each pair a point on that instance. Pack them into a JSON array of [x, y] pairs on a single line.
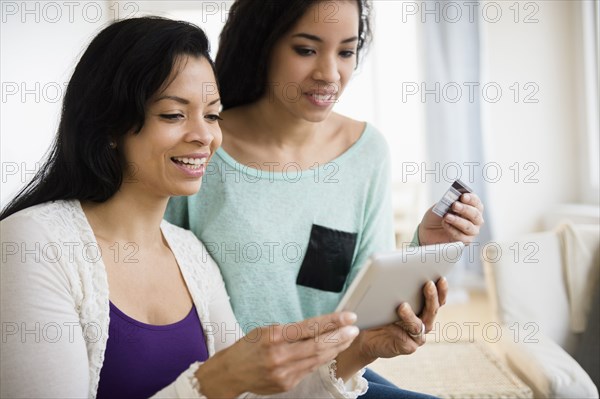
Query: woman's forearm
[[353, 359], [216, 381]]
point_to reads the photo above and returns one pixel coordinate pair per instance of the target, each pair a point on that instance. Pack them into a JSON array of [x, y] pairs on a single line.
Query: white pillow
[[528, 286], [548, 370]]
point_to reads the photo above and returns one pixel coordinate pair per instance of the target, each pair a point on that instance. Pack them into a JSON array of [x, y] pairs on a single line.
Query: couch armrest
[[546, 367]]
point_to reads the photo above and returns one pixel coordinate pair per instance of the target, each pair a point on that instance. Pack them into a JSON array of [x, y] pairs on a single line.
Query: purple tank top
[[141, 359]]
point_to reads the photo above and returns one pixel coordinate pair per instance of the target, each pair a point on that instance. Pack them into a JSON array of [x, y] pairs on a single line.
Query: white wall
[[39, 45], [546, 136]]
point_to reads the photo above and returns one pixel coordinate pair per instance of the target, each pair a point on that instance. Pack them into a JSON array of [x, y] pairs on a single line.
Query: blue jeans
[[380, 388]]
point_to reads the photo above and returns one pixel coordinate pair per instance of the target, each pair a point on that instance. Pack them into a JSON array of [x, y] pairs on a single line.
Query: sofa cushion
[[528, 285], [547, 368]]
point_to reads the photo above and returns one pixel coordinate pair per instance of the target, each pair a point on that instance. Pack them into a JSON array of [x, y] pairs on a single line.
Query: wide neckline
[[100, 261], [131, 320], [300, 173]]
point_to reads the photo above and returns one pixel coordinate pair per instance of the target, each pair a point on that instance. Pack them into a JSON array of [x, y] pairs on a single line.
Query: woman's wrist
[[417, 239], [364, 354], [215, 382], [353, 359]]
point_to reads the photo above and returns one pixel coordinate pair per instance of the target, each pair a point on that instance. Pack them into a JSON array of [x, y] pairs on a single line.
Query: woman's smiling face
[[311, 65], [168, 156]]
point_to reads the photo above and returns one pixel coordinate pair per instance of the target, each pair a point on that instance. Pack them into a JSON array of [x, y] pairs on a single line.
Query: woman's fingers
[[465, 233], [468, 212], [274, 358], [326, 335], [465, 220], [432, 305], [473, 200], [411, 324], [291, 360], [328, 344], [442, 288], [322, 351], [319, 325], [466, 226]]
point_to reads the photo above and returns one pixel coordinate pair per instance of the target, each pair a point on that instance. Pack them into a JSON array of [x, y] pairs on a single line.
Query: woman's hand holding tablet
[[391, 279]]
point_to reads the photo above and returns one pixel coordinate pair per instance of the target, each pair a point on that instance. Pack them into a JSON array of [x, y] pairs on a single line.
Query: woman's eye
[[172, 117], [347, 54], [304, 51], [213, 117]]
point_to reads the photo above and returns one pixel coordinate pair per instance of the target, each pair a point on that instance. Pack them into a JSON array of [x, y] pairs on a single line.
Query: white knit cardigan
[[55, 308]]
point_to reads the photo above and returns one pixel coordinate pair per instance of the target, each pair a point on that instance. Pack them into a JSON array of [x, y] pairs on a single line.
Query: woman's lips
[[321, 100], [191, 166]]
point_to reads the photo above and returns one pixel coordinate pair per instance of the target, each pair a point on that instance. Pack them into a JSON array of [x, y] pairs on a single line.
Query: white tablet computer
[[389, 279]]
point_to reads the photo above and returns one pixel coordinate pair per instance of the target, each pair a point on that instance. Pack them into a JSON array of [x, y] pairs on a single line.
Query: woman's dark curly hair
[[247, 40]]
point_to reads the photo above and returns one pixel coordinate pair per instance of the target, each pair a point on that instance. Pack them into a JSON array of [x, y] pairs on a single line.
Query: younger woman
[[299, 195]]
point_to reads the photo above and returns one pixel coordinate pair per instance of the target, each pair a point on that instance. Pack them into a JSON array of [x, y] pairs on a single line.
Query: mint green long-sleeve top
[[289, 243]]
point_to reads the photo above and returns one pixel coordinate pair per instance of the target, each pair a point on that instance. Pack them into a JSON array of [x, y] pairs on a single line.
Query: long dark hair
[[124, 65], [246, 42]]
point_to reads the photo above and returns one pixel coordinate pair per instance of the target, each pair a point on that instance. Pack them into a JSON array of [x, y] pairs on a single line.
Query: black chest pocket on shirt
[[328, 259]]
